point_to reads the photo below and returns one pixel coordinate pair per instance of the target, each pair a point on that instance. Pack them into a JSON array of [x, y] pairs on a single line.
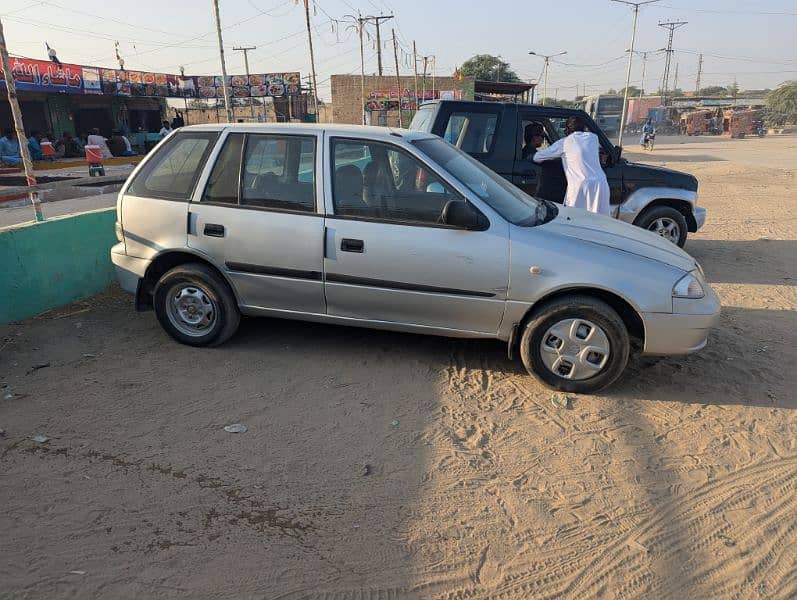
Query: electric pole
[[376, 20], [671, 26], [415, 68], [398, 77], [547, 59], [675, 81], [624, 114], [224, 87], [245, 50], [16, 114], [699, 74], [312, 58]]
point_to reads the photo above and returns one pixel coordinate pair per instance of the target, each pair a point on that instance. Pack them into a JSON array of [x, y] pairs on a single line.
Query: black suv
[[657, 199]]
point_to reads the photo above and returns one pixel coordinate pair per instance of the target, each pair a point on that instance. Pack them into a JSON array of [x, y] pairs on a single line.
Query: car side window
[[279, 172], [472, 132], [172, 172], [381, 181], [222, 185]]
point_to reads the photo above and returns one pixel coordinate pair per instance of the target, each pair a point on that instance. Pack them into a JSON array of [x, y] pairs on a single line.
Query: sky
[[751, 42]]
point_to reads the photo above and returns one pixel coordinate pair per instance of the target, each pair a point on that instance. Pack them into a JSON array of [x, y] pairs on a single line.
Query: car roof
[[536, 107], [369, 131]]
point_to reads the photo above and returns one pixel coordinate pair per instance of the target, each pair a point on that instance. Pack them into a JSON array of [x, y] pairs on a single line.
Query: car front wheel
[[196, 306], [666, 221], [576, 344]]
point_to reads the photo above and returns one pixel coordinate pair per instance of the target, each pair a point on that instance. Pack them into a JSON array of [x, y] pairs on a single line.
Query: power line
[[671, 26]]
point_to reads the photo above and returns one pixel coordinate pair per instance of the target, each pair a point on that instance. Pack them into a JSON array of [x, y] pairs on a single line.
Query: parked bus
[[606, 111]]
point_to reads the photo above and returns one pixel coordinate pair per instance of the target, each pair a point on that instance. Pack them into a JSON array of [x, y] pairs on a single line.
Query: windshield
[[504, 198], [422, 121]]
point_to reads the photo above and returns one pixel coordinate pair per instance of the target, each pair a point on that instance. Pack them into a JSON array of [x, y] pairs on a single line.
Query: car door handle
[[214, 230], [349, 245]]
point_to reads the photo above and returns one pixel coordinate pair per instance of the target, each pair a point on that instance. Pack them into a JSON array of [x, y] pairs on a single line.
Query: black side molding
[[274, 271], [398, 285]]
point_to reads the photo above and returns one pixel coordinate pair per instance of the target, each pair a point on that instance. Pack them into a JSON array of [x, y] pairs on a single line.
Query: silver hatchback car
[[396, 230]]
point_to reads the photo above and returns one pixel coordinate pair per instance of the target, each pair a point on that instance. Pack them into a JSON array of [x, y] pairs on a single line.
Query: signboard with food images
[[45, 76]]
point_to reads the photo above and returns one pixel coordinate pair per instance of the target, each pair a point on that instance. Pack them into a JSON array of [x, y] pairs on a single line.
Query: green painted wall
[[53, 263]]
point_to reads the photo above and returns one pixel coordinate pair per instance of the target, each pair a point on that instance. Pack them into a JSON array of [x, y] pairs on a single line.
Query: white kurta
[[587, 187]]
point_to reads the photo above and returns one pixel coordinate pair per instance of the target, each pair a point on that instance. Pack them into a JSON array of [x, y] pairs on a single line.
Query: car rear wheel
[[577, 344], [666, 221], [196, 306]]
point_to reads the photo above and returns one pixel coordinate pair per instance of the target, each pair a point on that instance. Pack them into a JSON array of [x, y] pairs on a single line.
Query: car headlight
[[688, 286]]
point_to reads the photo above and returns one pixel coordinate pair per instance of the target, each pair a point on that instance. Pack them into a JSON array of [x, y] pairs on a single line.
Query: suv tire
[[195, 305], [664, 219], [597, 337]]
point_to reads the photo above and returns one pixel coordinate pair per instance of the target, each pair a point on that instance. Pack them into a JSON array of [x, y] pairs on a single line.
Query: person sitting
[[9, 149], [533, 137], [95, 139], [165, 130], [120, 145], [34, 147]]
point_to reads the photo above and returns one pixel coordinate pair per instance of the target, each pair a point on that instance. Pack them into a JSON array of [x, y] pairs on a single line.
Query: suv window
[[381, 181], [472, 132], [422, 121], [279, 172], [172, 172], [222, 184]]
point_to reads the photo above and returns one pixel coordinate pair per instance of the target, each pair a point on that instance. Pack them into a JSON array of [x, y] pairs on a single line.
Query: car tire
[[603, 329], [668, 222], [195, 305]]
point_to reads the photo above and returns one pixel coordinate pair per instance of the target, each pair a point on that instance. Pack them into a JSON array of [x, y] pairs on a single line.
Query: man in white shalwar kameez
[[587, 187]]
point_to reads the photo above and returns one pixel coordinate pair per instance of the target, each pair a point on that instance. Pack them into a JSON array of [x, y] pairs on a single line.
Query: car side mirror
[[461, 214]]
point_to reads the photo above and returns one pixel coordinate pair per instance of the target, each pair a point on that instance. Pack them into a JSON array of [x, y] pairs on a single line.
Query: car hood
[[611, 233], [649, 175]]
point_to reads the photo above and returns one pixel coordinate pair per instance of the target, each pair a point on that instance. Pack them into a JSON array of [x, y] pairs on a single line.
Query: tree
[[633, 91], [783, 100], [486, 67], [714, 90], [732, 90]]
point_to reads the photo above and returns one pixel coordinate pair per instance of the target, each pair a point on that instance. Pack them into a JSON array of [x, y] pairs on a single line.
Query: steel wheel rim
[[666, 228], [191, 310], [575, 349]]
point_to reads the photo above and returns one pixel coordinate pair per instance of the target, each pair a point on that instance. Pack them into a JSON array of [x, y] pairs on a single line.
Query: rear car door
[[389, 258], [257, 219], [154, 204]]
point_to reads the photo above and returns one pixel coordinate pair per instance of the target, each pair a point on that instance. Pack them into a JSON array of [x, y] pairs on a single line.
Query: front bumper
[[129, 269], [686, 329]]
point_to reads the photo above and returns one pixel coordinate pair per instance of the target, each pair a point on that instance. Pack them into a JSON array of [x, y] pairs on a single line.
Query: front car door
[[388, 257], [257, 218]]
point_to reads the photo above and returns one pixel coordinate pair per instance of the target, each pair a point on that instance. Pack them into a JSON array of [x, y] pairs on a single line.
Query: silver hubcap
[[191, 310], [666, 228], [575, 349]]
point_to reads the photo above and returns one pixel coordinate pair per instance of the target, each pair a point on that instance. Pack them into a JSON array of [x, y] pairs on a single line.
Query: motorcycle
[[649, 140]]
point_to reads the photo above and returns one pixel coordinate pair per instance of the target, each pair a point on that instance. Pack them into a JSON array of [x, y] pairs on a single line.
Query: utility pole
[[699, 74], [360, 24], [224, 87], [376, 20], [624, 114], [16, 114], [398, 77], [245, 50], [671, 26], [415, 68], [547, 59], [312, 57], [425, 62], [675, 82]]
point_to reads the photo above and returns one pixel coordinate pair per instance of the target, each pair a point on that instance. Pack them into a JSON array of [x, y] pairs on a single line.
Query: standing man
[[587, 187]]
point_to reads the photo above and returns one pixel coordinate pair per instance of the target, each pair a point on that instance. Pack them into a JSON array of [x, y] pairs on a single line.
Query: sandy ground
[[380, 466]]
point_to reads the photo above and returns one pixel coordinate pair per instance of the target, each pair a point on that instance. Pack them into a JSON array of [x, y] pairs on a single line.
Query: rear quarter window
[[172, 173]]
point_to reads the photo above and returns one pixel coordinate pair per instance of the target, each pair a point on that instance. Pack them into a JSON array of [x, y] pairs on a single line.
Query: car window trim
[[456, 193], [310, 213]]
